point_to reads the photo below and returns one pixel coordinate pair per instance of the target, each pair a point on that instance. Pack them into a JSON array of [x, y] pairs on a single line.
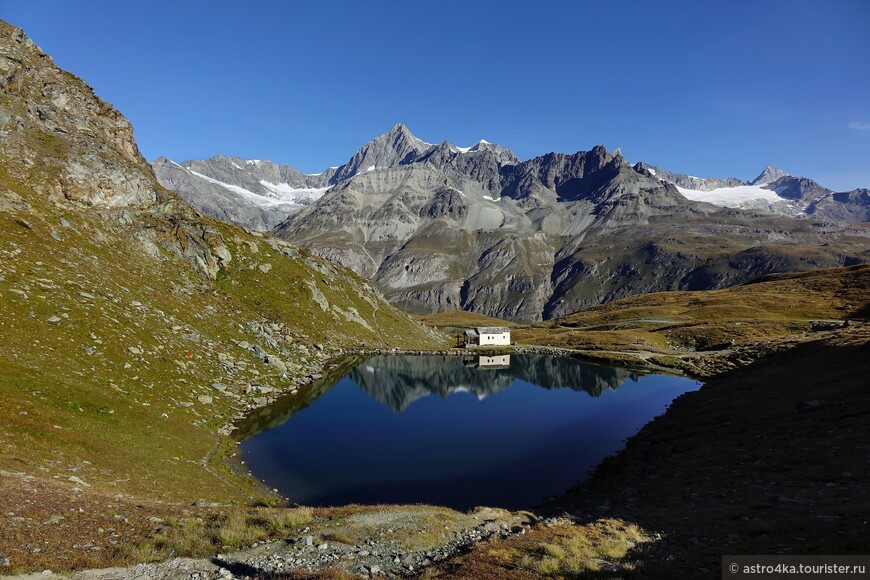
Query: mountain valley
[[154, 315]]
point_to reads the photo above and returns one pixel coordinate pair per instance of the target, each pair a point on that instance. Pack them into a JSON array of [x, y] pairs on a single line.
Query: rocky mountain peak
[[769, 175], [398, 146]]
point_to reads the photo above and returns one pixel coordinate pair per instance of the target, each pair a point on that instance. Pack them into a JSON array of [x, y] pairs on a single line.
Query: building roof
[[470, 332], [492, 329]]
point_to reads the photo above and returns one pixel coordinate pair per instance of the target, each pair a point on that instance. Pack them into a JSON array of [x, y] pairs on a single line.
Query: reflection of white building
[[488, 336], [503, 360]]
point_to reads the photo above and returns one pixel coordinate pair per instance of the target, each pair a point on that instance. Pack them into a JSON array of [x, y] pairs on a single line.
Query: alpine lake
[[506, 431]]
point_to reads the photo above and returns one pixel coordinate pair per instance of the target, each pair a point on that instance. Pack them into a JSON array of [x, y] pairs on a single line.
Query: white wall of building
[[503, 339]]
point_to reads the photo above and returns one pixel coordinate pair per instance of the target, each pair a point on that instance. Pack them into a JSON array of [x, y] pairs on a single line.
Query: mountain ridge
[[534, 239], [399, 146], [443, 227]]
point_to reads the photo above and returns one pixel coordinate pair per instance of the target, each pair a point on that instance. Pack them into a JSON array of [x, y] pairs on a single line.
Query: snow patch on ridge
[[281, 194], [474, 147], [742, 196], [287, 192], [255, 198]]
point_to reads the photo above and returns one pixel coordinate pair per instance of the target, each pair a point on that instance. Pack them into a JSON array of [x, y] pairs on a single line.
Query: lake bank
[[127, 508], [768, 458]]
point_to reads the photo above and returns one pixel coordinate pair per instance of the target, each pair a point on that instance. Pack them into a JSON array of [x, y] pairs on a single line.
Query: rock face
[[259, 194], [444, 227], [439, 227], [55, 127], [395, 147]]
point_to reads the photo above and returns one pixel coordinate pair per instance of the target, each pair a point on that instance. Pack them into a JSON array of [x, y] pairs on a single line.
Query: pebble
[[54, 320]]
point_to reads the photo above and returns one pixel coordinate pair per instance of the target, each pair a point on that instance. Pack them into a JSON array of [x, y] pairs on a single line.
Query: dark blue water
[[440, 430]]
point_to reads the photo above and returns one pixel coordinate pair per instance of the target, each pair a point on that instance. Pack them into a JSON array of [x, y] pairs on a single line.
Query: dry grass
[[233, 529], [462, 319], [340, 538], [571, 550], [561, 550], [670, 322]]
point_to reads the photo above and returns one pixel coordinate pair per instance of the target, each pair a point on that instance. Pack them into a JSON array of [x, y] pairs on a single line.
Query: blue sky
[[706, 88]]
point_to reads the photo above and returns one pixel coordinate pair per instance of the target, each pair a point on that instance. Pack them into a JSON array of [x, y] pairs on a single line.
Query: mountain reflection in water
[[502, 431], [399, 381]]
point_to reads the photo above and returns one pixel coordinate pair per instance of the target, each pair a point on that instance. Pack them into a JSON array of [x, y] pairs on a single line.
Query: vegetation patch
[[557, 548], [220, 532]]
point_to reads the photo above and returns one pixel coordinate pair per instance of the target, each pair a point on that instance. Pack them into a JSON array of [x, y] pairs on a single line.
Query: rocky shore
[[390, 549]]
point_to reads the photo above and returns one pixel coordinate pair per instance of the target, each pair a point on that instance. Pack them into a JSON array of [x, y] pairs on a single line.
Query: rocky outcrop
[[77, 151], [68, 143]]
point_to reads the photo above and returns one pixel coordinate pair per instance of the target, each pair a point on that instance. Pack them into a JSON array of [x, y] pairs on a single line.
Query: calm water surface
[[499, 431]]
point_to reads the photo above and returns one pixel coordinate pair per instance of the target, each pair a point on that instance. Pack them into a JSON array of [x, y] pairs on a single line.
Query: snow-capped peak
[[476, 147]]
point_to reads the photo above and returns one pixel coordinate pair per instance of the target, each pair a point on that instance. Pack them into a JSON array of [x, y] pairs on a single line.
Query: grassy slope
[[120, 307], [463, 319], [663, 325], [667, 327], [80, 402]]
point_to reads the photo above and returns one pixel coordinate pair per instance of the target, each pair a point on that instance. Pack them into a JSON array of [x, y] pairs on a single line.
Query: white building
[[489, 336]]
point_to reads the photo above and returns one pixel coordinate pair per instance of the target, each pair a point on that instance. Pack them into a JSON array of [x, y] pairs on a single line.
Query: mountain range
[[441, 227], [260, 194]]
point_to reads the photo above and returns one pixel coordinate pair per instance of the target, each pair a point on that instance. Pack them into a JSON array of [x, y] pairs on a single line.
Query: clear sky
[[706, 88]]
